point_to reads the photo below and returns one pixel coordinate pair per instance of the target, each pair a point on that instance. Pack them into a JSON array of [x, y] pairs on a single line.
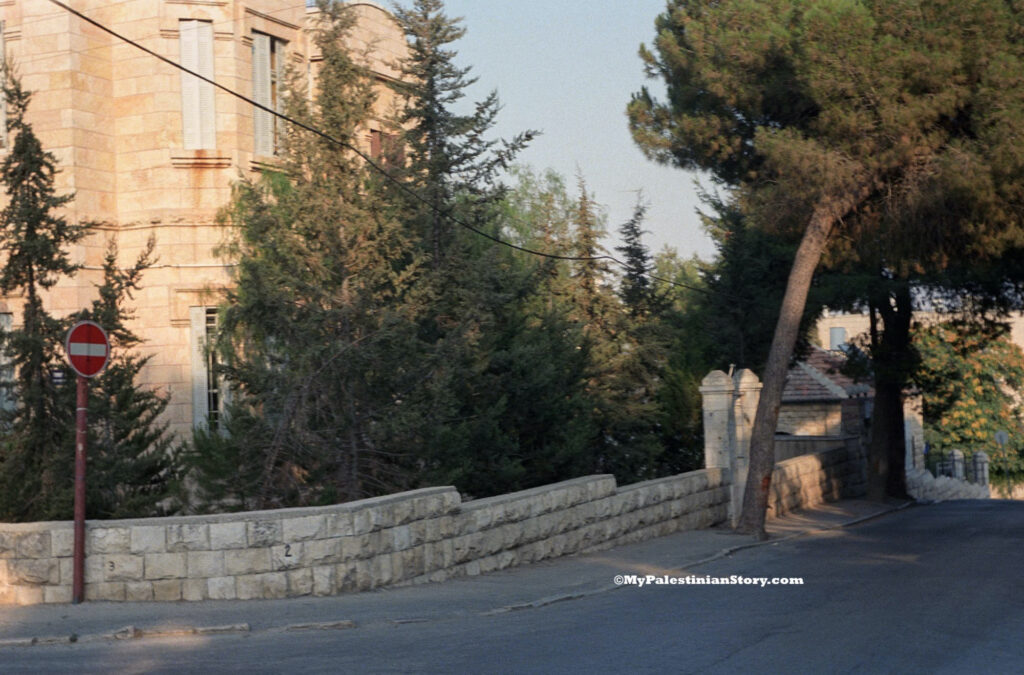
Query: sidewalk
[[508, 590]]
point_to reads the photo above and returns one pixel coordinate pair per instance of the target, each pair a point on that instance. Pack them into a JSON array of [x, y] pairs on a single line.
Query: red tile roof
[[817, 378]]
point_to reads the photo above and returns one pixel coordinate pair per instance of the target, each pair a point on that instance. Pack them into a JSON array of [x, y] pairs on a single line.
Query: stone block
[[339, 524], [381, 541], [34, 545], [122, 567], [300, 582], [247, 561], [265, 533], [403, 511], [323, 580], [482, 518], [267, 585], [193, 590], [221, 588], [382, 570], [286, 556], [401, 538], [138, 591], [149, 539], [189, 537], [66, 567], [57, 594], [364, 575], [62, 542], [165, 566], [345, 577], [301, 529], [321, 551], [205, 564], [382, 516], [108, 540], [110, 591], [450, 502], [362, 522], [229, 535], [36, 572], [28, 595], [8, 545], [412, 561], [168, 590], [467, 547]]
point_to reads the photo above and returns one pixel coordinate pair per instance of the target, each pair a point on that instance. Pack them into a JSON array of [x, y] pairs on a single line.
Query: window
[[198, 117], [386, 149], [6, 367], [836, 338], [267, 76], [207, 387]]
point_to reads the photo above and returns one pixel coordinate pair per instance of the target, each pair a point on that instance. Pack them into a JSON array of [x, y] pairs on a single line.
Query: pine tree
[[820, 116], [35, 467], [132, 465], [623, 355], [450, 156], [316, 339]]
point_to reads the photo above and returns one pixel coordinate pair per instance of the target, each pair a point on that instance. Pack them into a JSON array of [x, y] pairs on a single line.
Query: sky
[[568, 68]]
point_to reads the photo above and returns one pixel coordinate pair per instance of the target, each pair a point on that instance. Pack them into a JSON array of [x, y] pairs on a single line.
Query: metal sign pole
[[88, 351], [81, 409]]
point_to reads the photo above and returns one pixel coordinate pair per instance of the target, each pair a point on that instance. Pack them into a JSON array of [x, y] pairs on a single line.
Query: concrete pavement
[[508, 590]]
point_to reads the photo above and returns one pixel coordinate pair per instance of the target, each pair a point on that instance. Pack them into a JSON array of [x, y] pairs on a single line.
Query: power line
[[369, 160]]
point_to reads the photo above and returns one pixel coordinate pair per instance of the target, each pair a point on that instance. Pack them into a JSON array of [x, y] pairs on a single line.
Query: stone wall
[[424, 535], [814, 479], [411, 537], [922, 485], [817, 418]]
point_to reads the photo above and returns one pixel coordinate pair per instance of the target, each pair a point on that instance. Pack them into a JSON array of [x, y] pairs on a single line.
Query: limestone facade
[[149, 152]]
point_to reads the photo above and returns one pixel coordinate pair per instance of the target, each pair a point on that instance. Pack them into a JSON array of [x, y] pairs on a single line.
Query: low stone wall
[[788, 447], [922, 485], [815, 479], [412, 537], [424, 535]]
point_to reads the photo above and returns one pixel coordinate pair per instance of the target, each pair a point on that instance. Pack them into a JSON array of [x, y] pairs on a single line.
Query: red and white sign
[[88, 348]]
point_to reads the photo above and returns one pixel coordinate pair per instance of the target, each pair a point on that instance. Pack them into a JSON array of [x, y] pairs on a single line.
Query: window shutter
[[262, 121], [198, 116], [3, 100], [207, 113], [189, 43]]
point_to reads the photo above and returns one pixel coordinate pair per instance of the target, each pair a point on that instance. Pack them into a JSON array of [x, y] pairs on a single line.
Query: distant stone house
[[818, 400]]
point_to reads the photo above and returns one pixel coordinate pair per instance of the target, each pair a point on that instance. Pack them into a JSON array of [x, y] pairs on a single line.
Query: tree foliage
[[862, 116], [131, 464], [971, 376]]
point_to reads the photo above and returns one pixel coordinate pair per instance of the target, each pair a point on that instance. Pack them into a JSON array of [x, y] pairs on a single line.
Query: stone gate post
[[729, 405]]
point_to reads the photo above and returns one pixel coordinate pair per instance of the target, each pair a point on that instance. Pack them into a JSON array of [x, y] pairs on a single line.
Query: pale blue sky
[[568, 68]]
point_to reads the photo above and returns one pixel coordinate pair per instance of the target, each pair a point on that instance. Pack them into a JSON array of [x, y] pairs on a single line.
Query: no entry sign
[[87, 348]]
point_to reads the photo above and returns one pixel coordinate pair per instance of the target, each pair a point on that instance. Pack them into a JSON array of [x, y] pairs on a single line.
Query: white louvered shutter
[[262, 121], [198, 116], [207, 113], [3, 99]]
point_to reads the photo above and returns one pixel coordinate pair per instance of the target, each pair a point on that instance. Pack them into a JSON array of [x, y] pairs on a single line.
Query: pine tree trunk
[[762, 439]]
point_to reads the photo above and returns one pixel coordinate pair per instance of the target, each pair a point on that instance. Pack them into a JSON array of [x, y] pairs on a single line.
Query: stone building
[[818, 400], [151, 151]]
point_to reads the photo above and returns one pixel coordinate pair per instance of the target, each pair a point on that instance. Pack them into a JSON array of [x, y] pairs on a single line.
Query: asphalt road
[[929, 589]]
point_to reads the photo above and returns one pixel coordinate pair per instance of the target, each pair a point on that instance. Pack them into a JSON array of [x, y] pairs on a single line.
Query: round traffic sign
[[88, 348]]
